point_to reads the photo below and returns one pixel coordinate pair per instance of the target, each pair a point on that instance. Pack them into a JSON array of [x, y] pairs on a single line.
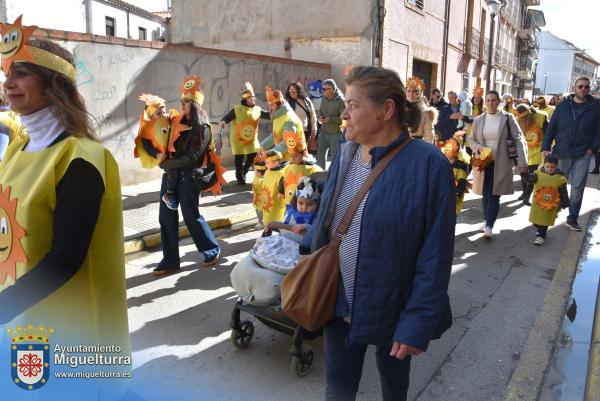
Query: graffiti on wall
[[111, 79]]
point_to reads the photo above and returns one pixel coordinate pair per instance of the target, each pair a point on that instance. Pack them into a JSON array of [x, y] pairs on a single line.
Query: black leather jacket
[[190, 148]]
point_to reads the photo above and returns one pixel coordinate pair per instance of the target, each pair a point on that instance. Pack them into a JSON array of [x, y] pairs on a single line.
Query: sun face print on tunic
[[547, 198], [11, 232], [246, 131]]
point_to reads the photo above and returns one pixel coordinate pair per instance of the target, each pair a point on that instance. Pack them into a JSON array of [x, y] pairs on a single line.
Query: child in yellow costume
[[284, 120], [459, 162], [243, 132], [257, 201], [273, 204], [533, 125], [550, 194], [298, 166], [478, 108]]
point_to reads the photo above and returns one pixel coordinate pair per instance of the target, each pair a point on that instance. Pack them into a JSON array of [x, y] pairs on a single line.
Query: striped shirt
[[356, 176]]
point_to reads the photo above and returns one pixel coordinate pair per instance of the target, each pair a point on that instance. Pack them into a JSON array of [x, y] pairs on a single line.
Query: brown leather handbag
[[309, 291]]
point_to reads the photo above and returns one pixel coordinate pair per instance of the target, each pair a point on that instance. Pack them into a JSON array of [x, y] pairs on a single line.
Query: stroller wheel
[[241, 338], [303, 365]]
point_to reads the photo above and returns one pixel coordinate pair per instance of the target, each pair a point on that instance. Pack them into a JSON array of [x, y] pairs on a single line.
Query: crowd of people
[[62, 188]]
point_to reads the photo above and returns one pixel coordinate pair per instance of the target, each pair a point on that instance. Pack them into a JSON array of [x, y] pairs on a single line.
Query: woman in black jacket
[[191, 145]]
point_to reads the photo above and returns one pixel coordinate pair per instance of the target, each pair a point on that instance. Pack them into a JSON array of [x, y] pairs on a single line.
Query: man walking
[[330, 111], [575, 125]]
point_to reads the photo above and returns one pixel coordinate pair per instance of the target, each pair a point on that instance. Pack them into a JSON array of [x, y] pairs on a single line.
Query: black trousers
[[527, 186], [242, 165]]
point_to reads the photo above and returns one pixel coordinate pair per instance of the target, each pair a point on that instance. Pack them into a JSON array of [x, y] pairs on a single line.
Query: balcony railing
[[475, 37]]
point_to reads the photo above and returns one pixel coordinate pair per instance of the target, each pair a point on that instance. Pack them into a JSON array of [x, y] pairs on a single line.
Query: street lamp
[[545, 82], [494, 7]]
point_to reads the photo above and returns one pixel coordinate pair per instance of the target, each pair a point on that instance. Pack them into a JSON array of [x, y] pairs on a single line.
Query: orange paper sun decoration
[[547, 198], [11, 250], [13, 44]]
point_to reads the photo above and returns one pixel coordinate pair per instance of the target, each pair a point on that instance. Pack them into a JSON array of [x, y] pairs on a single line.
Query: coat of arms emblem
[[30, 356]]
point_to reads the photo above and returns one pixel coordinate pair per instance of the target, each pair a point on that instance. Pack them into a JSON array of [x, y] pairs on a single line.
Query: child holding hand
[[549, 195]]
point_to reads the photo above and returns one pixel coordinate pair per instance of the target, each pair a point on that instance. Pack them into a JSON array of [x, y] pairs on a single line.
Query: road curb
[[527, 378], [592, 385], [153, 239]]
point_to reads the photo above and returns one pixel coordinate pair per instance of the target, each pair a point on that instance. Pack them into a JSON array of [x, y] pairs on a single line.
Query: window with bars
[[111, 26]]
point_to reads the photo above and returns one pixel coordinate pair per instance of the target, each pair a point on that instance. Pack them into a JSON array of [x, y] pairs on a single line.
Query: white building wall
[[556, 59], [66, 15], [100, 12], [337, 32], [135, 22], [69, 15]]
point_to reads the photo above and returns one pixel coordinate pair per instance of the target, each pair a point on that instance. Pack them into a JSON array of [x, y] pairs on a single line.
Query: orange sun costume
[[284, 120], [191, 89], [532, 125], [156, 130], [243, 134], [546, 198], [451, 149]]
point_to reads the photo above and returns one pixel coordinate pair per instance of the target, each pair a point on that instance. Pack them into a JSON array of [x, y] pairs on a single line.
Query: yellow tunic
[[92, 304], [244, 129], [91, 308], [257, 192], [546, 198], [532, 126], [284, 120], [273, 207]]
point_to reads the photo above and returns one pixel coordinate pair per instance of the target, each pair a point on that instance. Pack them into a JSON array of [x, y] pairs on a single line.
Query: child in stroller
[[256, 278]]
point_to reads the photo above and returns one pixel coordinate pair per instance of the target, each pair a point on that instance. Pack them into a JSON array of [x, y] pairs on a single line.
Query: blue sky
[[575, 21]]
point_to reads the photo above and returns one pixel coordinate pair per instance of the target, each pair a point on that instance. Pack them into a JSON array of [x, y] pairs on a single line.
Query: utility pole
[[494, 6]]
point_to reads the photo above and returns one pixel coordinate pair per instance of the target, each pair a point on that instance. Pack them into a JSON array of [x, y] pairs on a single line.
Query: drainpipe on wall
[[128, 34], [445, 45], [377, 41], [87, 4]]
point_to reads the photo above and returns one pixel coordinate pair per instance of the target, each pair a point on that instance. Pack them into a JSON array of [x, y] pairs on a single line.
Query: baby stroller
[[257, 287]]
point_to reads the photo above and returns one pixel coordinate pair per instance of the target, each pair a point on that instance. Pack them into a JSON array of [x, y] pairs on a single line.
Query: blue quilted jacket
[[406, 245]]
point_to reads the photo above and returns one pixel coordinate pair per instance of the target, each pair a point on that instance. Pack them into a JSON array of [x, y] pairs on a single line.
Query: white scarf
[[42, 128]]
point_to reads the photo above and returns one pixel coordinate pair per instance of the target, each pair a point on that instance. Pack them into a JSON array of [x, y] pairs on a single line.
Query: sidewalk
[[141, 203]]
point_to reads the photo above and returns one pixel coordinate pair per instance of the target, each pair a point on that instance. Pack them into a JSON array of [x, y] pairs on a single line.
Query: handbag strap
[[342, 228], [509, 136]]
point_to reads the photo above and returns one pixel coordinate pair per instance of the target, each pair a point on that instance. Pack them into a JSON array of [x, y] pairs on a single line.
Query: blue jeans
[[576, 170], [491, 202], [203, 237], [344, 366]]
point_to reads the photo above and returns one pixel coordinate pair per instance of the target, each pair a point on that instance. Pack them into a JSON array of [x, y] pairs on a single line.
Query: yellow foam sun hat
[[14, 48], [191, 89]]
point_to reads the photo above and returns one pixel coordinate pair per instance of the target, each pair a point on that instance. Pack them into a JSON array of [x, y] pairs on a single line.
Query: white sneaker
[[487, 232], [538, 241], [482, 228]]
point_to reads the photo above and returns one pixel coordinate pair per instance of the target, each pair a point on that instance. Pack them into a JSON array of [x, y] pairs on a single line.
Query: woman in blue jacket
[[396, 257]]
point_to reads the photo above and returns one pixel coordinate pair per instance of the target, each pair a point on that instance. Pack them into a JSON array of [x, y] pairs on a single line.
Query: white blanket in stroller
[[256, 278], [255, 284], [276, 253]]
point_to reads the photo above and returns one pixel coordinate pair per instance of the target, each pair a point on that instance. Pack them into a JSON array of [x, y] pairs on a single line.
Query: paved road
[[180, 333]]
